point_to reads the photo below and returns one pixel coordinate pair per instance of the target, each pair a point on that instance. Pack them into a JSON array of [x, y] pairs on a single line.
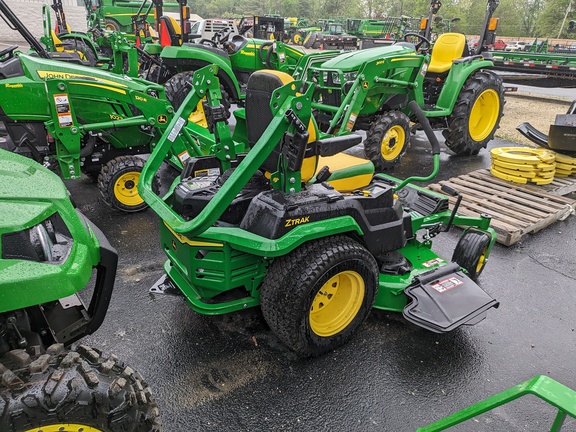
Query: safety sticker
[[424, 69], [184, 156], [433, 262], [351, 121], [62, 104], [176, 130], [446, 284], [65, 120]]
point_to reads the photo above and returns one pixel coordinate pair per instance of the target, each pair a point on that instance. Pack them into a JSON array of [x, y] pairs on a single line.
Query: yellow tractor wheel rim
[[481, 260], [337, 303], [393, 143], [110, 27], [126, 189], [64, 427], [297, 39], [484, 115]]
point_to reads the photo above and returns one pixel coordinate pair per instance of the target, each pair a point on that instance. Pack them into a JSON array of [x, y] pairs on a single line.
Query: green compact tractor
[[306, 232], [370, 90], [53, 259], [76, 119]]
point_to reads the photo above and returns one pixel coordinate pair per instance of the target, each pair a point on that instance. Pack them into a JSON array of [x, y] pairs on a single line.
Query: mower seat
[[447, 48], [170, 31], [347, 172]]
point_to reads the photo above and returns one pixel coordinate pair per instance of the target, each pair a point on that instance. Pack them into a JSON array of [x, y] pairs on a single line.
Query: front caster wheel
[[471, 252], [316, 297]]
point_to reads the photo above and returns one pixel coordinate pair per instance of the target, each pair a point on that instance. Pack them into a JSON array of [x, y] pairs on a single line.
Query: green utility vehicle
[[306, 232], [331, 36], [53, 259], [371, 89], [76, 119]]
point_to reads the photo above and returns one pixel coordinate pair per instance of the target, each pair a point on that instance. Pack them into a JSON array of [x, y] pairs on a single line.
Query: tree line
[[518, 18]]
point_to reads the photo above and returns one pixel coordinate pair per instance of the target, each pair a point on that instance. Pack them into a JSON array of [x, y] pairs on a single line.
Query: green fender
[[186, 58], [458, 75]]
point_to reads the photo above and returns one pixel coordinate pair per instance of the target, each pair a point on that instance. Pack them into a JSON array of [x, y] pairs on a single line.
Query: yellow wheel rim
[[481, 260], [64, 427], [126, 189], [110, 27], [297, 39], [393, 142], [337, 303], [484, 115], [271, 36]]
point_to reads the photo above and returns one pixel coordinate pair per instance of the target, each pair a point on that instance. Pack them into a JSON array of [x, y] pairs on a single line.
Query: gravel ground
[[538, 110]]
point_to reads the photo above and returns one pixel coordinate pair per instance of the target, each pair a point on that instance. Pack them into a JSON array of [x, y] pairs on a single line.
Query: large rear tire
[[71, 391], [387, 140], [310, 39], [111, 25], [178, 87], [476, 115], [316, 297]]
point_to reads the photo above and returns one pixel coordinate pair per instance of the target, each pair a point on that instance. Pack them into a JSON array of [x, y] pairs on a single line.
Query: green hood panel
[[353, 60]]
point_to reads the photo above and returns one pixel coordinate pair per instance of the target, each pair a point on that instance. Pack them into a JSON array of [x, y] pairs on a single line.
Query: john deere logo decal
[[365, 85], [162, 119]]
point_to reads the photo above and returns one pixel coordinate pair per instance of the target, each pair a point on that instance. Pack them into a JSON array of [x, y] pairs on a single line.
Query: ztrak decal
[[297, 221]]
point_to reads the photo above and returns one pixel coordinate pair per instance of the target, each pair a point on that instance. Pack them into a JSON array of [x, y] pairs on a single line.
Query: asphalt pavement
[[231, 373]]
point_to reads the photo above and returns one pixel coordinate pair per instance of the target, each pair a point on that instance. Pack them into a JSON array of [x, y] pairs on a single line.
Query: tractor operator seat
[[447, 48], [347, 172]]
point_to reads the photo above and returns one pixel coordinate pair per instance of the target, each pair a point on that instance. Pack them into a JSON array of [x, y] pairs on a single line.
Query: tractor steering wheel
[[269, 52], [9, 51], [423, 40], [208, 42]]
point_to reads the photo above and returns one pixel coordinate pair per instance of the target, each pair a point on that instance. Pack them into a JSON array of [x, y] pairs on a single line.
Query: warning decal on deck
[[446, 284], [433, 262]]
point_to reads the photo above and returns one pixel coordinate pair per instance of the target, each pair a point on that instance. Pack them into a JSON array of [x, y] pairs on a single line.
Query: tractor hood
[[352, 61]]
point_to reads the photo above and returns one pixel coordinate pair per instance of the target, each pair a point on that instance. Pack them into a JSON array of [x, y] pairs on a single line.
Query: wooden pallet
[[516, 210]]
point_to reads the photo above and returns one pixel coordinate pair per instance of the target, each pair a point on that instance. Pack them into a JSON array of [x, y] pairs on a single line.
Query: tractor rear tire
[[387, 140], [476, 114], [118, 184], [316, 297], [178, 87], [298, 38], [470, 252], [112, 25], [74, 390], [310, 39]]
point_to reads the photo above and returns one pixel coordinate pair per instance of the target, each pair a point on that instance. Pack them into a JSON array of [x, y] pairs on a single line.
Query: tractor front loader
[[76, 119], [306, 232]]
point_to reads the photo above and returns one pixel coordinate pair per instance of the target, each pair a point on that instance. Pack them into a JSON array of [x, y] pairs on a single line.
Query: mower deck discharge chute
[[299, 228]]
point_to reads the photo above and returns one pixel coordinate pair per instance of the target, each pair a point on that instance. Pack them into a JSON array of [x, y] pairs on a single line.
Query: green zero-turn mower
[[53, 259], [305, 231], [77, 119], [371, 90]]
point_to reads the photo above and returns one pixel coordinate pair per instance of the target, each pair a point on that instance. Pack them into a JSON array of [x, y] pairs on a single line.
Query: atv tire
[[178, 87], [476, 114], [118, 184], [387, 140], [316, 297], [470, 252], [73, 390]]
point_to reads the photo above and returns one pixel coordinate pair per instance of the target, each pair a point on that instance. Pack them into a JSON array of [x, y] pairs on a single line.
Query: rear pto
[[306, 232], [53, 259]]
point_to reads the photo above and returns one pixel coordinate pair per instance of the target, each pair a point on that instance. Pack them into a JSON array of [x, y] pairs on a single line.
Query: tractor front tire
[[387, 140], [316, 297], [118, 184], [471, 252], [476, 114], [112, 25], [71, 391]]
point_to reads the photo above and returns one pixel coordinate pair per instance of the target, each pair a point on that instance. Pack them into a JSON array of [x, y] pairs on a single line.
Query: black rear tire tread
[[290, 285], [82, 386], [457, 134], [471, 246]]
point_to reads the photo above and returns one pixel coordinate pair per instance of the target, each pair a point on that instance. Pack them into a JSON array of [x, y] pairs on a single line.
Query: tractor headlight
[[48, 242]]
